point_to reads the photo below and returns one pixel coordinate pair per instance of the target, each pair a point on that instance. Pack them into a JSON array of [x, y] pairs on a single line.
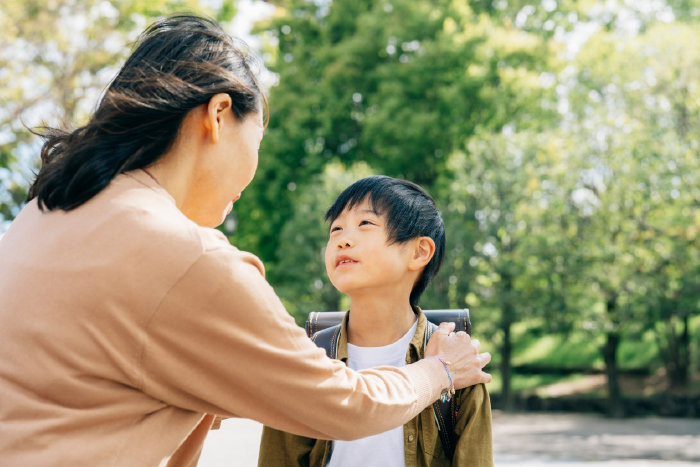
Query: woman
[[127, 322]]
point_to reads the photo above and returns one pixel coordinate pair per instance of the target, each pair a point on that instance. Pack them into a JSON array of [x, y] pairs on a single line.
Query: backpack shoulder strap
[[445, 412], [327, 339]]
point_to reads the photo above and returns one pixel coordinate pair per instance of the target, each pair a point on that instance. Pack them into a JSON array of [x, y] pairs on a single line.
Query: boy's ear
[[423, 251]]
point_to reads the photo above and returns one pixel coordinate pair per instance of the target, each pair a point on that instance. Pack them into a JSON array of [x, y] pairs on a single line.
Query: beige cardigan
[[122, 323]]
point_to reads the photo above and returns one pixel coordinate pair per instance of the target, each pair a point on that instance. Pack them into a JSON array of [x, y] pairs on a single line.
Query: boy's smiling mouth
[[342, 259]]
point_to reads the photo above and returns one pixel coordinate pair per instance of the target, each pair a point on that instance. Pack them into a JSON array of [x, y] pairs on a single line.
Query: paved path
[[576, 439], [527, 440]]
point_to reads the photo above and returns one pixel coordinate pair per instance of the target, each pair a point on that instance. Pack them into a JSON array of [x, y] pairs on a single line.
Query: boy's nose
[[344, 243]]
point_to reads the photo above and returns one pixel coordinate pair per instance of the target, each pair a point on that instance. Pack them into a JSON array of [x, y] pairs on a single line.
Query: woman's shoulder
[[144, 218], [217, 249]]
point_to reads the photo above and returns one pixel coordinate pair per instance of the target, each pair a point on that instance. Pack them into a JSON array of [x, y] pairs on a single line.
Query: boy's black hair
[[410, 212]]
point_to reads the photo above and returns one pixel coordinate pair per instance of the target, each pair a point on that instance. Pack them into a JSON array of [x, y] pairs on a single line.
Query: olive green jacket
[[422, 445]]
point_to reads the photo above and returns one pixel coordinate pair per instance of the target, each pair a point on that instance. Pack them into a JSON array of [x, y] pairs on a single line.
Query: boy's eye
[[333, 229], [365, 222]]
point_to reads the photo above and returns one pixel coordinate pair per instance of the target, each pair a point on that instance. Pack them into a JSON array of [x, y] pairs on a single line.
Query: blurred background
[[560, 140]]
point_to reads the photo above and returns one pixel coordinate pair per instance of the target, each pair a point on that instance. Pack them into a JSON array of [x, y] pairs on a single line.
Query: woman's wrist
[[446, 376], [447, 393], [428, 377]]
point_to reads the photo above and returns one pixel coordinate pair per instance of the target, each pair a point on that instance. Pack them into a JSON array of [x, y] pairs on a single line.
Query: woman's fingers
[[482, 376], [446, 328], [476, 344], [484, 359], [461, 353]]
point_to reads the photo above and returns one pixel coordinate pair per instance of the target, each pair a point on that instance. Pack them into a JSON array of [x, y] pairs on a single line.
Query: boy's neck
[[378, 321]]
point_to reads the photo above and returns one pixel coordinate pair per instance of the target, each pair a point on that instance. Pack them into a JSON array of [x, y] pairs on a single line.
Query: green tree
[[635, 120], [514, 187]]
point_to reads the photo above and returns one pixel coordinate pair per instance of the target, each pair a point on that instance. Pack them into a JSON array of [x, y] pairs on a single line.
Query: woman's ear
[[217, 107], [423, 251]]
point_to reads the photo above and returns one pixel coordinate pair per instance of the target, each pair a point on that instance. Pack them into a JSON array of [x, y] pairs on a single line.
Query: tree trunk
[[506, 348], [612, 342], [680, 355], [615, 408]]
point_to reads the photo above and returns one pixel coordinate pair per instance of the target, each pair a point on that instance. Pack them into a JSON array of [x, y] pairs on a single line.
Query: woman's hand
[[461, 353]]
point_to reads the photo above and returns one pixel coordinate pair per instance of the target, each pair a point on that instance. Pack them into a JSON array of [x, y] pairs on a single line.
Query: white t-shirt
[[384, 449]]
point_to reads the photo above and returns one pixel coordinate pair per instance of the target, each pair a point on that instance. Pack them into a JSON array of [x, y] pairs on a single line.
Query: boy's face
[[358, 256]]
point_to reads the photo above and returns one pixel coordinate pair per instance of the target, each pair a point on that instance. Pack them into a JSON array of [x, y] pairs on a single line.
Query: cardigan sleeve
[[221, 342]]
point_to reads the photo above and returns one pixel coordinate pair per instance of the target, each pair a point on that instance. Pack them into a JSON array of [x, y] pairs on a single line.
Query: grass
[[528, 383], [574, 351], [581, 350]]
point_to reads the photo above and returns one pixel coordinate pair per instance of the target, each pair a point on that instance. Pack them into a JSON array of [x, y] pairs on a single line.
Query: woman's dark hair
[[179, 63], [409, 211]]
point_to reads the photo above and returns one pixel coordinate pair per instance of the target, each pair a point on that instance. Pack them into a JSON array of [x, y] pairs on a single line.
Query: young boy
[[386, 242]]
